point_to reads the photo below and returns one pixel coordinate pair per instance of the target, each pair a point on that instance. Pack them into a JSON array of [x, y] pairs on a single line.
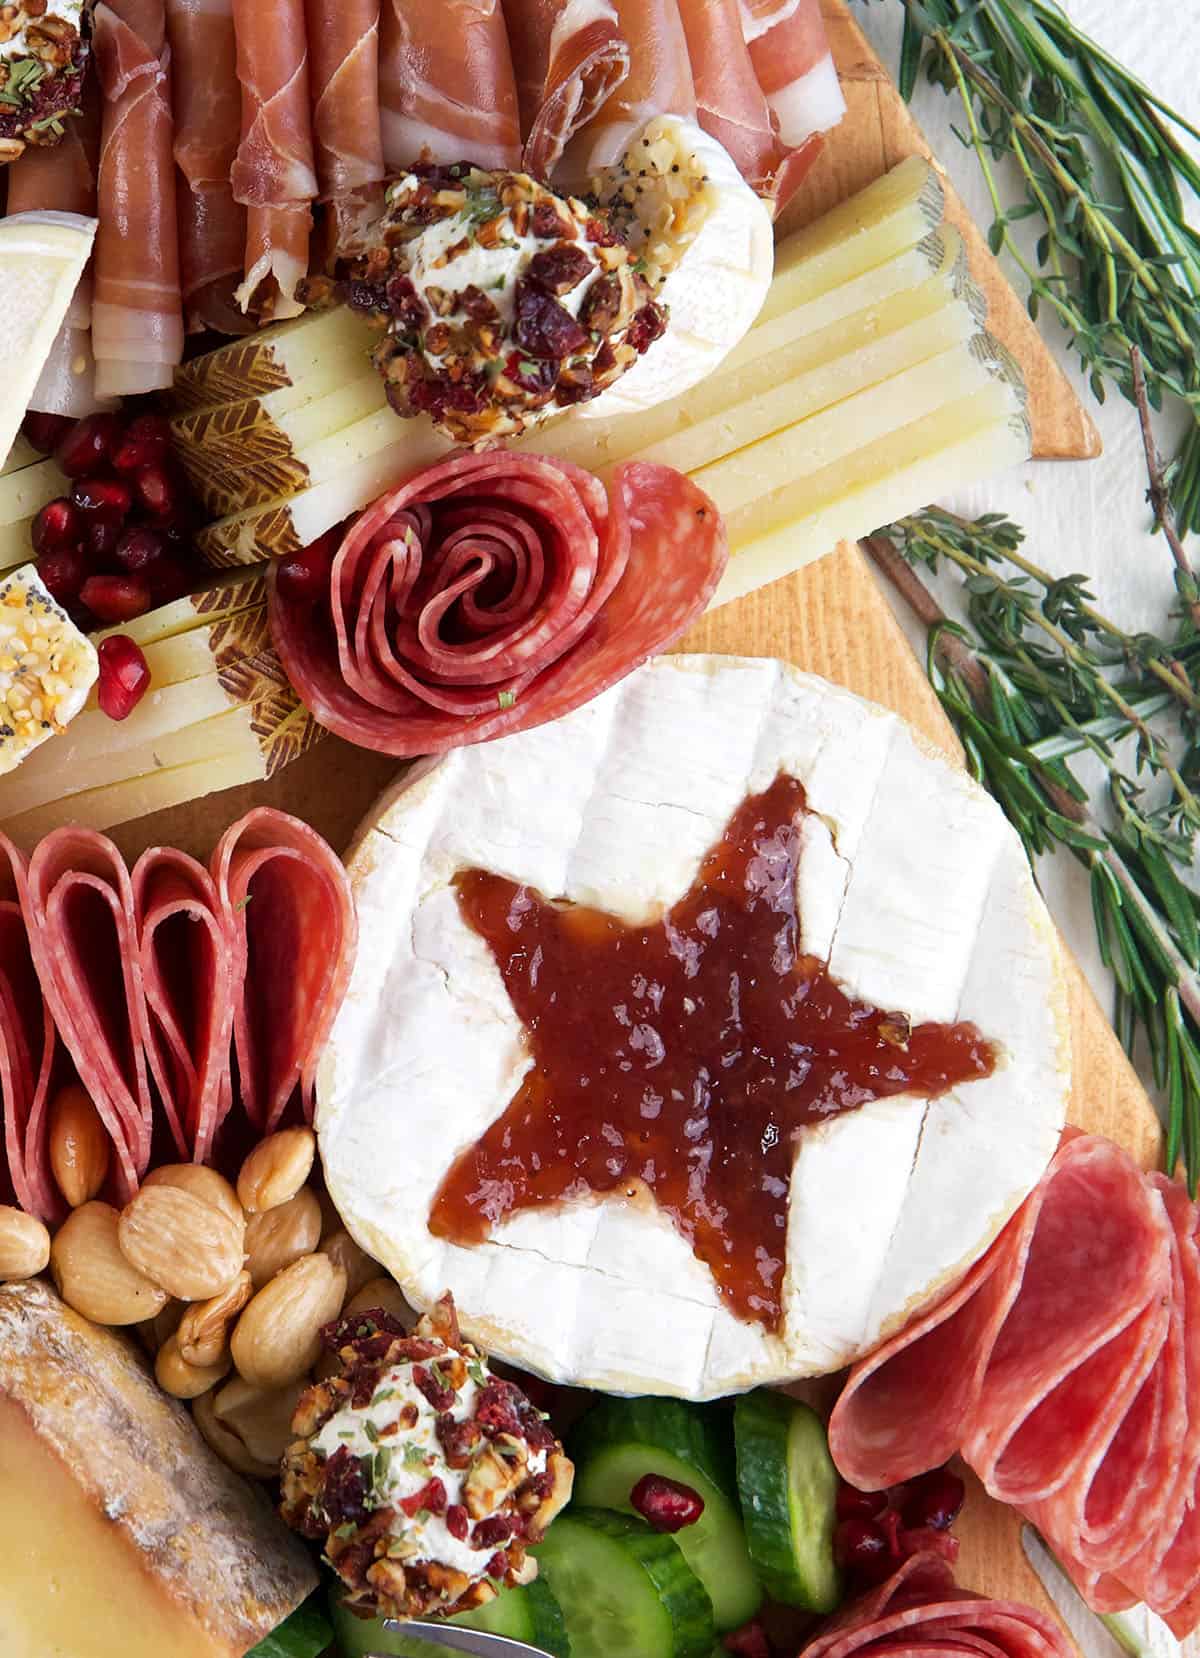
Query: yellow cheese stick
[[238, 591], [315, 353]]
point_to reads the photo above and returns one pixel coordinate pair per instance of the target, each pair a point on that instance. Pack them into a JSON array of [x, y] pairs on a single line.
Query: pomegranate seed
[[82, 449], [102, 498], [304, 576], [859, 1545], [665, 1504], [57, 525], [100, 541], [147, 441], [934, 1500], [156, 491], [852, 1503], [750, 1641], [124, 676], [116, 598], [63, 572], [46, 431], [925, 1540], [168, 580], [138, 548]]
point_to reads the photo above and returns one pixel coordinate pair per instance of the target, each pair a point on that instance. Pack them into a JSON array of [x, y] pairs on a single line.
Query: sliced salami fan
[[495, 592], [27, 1044], [285, 901], [187, 953]]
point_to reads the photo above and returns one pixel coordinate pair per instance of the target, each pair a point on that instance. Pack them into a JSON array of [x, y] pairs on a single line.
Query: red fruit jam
[[703, 1045], [124, 676]]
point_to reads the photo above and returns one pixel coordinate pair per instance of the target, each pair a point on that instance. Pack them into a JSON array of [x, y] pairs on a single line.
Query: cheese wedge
[[47, 667], [42, 256], [120, 1532], [25, 491], [316, 354], [911, 885]]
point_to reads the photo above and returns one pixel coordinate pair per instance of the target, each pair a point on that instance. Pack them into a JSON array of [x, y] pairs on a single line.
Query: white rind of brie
[[911, 884]]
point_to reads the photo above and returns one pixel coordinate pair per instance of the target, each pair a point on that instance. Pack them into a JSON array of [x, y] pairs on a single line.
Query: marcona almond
[[92, 1274], [206, 1184], [385, 1294], [186, 1246], [24, 1245], [154, 1333], [276, 1169], [262, 1421], [79, 1146], [204, 1329], [278, 1337], [283, 1235], [354, 1262], [226, 1444], [187, 1381]]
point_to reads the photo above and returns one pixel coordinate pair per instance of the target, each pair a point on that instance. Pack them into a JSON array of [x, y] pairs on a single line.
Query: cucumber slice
[[622, 1439], [788, 1486], [530, 1613], [625, 1591]]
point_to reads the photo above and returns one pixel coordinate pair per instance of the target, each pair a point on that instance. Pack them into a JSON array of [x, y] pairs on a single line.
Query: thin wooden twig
[[1158, 495]]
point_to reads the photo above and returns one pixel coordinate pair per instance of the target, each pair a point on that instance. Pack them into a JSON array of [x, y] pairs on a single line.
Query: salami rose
[[493, 592]]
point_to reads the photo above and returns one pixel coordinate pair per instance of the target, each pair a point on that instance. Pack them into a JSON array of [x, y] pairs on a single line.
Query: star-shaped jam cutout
[[684, 1057]]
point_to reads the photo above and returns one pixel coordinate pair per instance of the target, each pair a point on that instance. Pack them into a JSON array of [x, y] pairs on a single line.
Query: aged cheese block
[[121, 1535], [912, 887]]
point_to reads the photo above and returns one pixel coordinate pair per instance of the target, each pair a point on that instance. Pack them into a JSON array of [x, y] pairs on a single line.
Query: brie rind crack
[[910, 883]]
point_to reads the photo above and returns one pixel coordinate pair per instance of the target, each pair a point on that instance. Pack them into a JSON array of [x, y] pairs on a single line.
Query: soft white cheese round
[[911, 884], [720, 282]]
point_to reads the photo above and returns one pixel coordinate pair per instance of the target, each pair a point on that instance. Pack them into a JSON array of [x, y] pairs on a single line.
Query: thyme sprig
[[1036, 677], [1104, 173]]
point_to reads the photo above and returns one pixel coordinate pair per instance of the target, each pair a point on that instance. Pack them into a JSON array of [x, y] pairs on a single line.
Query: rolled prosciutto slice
[[79, 911], [284, 900], [569, 57], [446, 84], [659, 83], [27, 1048], [188, 960], [137, 314], [344, 42], [494, 592], [207, 110], [790, 53], [273, 173]]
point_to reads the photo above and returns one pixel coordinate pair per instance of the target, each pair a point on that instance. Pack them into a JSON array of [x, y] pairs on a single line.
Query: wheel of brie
[[695, 1040]]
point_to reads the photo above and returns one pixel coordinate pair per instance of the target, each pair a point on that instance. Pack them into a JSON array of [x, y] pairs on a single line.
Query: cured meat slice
[[27, 1047], [732, 106], [569, 56], [344, 42], [659, 83], [790, 53], [285, 903], [921, 1610], [186, 951], [446, 84], [137, 315], [206, 101], [83, 935], [273, 173], [489, 594]]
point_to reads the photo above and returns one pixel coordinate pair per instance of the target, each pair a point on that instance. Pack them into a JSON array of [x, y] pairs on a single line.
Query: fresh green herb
[[380, 1464], [344, 1532], [305, 1634], [415, 1457], [440, 1378], [506, 699], [383, 1394], [1105, 174], [475, 1369], [421, 1516]]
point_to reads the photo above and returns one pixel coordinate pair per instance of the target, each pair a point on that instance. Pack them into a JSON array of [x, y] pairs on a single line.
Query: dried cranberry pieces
[[406, 304], [648, 325], [558, 269], [497, 1567], [477, 305], [344, 1498], [116, 598], [86, 444], [46, 431], [56, 525], [124, 676], [439, 1395], [544, 328], [934, 1500], [496, 1410], [431, 1497], [548, 224], [458, 1522], [666, 1505], [855, 1504], [495, 1530], [457, 1439], [601, 235]]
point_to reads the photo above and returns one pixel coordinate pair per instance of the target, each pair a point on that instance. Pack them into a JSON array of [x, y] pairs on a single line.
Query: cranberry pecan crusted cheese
[[43, 51], [503, 301], [422, 1474]]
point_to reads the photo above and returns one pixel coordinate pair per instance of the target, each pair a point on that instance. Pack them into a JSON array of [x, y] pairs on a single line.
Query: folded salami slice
[[187, 955], [27, 1044], [285, 901], [921, 1611], [494, 592], [79, 912], [569, 57]]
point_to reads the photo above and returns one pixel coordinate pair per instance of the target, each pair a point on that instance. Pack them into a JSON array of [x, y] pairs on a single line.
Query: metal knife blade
[[1134, 1634], [481, 1643]]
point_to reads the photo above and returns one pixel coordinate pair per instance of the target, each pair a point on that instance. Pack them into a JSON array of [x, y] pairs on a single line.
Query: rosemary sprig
[[1040, 675], [1103, 172]]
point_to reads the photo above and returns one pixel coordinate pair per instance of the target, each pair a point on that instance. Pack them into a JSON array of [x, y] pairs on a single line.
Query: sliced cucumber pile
[[788, 1486], [625, 1591], [620, 1440], [528, 1614]]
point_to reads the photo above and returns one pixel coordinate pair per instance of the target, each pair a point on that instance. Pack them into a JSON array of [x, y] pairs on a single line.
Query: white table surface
[[1085, 516]]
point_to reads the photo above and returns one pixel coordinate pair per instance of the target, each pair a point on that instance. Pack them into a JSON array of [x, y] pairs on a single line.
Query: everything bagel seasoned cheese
[[909, 884]]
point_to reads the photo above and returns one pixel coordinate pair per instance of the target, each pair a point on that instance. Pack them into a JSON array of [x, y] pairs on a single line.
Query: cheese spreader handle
[[454, 1638]]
